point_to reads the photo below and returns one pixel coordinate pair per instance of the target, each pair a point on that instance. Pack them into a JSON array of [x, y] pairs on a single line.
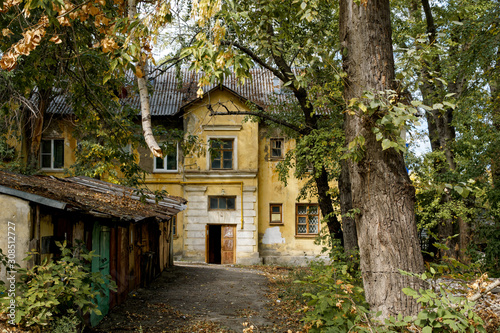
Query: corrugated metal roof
[[170, 94], [91, 196]]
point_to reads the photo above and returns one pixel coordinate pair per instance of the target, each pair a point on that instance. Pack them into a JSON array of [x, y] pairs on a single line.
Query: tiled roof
[[90, 196], [170, 94]]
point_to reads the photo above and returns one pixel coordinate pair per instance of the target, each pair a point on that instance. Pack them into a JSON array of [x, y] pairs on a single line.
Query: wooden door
[[228, 244], [101, 246]]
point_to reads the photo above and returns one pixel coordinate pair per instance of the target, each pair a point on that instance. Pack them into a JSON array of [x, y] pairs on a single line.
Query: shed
[[130, 230]]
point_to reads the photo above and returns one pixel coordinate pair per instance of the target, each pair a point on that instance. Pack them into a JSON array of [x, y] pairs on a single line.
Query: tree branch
[[261, 114], [256, 58], [144, 96]]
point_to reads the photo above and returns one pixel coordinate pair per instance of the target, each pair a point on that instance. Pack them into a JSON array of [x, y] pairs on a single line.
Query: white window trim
[[235, 151], [52, 154], [155, 170]]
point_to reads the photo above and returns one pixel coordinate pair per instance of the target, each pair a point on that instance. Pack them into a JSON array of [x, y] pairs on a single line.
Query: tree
[[124, 39], [452, 54], [381, 188]]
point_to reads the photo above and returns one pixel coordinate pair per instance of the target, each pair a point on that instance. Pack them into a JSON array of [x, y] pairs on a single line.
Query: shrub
[[56, 294]]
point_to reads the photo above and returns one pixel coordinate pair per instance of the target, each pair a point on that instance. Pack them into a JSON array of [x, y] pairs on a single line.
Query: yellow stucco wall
[[280, 240]]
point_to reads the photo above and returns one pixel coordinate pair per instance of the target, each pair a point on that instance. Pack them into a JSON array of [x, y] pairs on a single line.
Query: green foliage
[[440, 310], [56, 294], [338, 303]]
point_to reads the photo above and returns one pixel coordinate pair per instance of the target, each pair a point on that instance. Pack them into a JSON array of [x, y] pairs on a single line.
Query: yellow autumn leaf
[[6, 32], [138, 72], [56, 40]]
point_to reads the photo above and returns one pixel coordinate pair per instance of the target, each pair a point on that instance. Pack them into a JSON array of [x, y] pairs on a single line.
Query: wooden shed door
[[228, 246], [100, 244]]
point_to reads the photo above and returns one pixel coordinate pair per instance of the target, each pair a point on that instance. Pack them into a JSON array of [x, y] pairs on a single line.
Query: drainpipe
[[179, 182]]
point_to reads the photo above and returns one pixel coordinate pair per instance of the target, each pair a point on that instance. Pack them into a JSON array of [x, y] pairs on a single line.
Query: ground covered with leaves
[[213, 298]]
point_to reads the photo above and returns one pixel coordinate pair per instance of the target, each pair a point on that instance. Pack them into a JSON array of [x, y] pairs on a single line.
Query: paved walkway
[[191, 292]]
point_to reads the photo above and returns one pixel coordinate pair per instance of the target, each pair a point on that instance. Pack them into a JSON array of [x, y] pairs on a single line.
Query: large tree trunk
[[381, 188], [326, 205], [348, 223], [144, 95]]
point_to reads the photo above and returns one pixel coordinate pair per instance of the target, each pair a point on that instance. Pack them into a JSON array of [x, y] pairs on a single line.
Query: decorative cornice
[[222, 127], [220, 174]]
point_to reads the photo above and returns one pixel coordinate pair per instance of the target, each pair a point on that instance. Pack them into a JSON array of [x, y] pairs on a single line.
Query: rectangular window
[[222, 203], [307, 219], [277, 148], [221, 154], [52, 154], [169, 161], [276, 214]]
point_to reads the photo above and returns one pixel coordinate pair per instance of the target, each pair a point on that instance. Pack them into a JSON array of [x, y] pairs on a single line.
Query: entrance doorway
[[220, 244]]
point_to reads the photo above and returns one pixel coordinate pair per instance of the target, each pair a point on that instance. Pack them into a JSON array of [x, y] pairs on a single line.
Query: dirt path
[[214, 297]]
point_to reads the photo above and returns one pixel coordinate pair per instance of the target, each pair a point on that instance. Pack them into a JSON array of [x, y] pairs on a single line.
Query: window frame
[[297, 215], [165, 161], [234, 156], [271, 147], [51, 154], [210, 197], [271, 205]]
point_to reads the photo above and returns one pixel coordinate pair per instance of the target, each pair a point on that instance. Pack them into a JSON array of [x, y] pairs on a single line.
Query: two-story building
[[238, 211]]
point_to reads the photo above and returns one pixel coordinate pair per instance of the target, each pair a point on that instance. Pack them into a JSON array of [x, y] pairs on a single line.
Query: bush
[[56, 294], [338, 303]]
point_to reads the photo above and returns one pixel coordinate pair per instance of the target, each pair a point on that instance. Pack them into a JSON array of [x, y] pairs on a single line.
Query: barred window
[[307, 219]]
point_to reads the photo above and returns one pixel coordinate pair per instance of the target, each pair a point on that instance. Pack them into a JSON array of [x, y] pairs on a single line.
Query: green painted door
[[100, 244]]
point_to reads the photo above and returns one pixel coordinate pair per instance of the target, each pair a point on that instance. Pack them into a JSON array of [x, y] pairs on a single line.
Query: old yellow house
[[237, 211]]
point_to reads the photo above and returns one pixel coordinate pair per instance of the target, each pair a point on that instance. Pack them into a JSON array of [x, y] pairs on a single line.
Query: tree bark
[[326, 205], [381, 188], [348, 223], [33, 132], [144, 95]]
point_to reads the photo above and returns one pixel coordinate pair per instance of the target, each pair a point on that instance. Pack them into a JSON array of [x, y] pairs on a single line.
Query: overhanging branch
[[260, 114]]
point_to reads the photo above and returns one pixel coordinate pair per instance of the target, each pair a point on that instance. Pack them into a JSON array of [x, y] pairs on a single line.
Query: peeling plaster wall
[[18, 213], [272, 236]]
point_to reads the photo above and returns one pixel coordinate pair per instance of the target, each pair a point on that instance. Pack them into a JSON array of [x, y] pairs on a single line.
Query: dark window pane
[[46, 161], [172, 159], [214, 203], [228, 144], [228, 164], [230, 203], [58, 154], [227, 155], [276, 209], [216, 164], [46, 146], [222, 203], [276, 152], [159, 163], [215, 144]]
